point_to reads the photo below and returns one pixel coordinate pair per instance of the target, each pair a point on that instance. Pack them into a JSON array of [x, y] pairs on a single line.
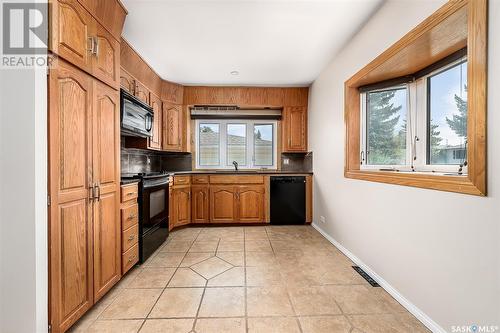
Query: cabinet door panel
[[142, 92], [172, 127], [181, 205], [106, 175], [127, 81], [199, 204], [106, 64], [250, 203], [295, 131], [70, 222], [107, 244], [222, 204], [155, 141], [72, 26]]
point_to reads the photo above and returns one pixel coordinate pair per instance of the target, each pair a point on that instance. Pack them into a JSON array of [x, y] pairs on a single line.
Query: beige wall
[[440, 251]]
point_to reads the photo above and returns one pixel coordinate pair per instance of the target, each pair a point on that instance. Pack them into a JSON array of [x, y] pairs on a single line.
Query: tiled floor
[[247, 279]]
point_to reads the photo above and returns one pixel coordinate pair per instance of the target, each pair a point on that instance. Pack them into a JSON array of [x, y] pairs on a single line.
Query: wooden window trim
[[450, 17]]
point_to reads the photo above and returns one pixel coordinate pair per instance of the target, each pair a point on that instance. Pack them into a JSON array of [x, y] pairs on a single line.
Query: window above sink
[[251, 143]]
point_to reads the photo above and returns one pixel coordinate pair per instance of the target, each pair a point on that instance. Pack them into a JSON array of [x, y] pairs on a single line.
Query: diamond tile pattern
[[247, 279], [211, 267]]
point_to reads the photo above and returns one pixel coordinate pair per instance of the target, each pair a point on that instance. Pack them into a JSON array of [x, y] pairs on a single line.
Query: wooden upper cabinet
[[110, 13], [70, 231], [106, 176], [180, 205], [172, 127], [79, 38], [199, 204], [127, 81], [250, 203], [294, 129], [71, 35], [222, 203], [106, 62], [155, 140], [141, 92]]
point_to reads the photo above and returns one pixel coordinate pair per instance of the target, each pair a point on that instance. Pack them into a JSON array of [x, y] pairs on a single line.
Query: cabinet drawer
[[200, 179], [182, 180], [130, 258], [129, 192], [232, 179], [130, 237], [130, 216]]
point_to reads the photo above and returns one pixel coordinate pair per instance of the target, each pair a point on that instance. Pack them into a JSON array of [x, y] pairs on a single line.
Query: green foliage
[[258, 135], [206, 129], [385, 145], [458, 122], [435, 140]]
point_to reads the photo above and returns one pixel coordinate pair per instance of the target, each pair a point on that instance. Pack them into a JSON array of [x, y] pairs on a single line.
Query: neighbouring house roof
[[212, 138]]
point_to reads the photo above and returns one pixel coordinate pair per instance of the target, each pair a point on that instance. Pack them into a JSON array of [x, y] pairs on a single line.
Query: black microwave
[[136, 116]]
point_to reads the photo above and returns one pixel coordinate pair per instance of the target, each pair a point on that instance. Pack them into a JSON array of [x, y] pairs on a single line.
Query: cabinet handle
[[98, 191], [131, 238], [131, 217], [90, 44], [92, 193], [96, 48], [131, 258], [130, 194]]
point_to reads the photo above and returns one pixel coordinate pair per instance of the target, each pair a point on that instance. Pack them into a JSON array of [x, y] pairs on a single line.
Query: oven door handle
[[158, 185]]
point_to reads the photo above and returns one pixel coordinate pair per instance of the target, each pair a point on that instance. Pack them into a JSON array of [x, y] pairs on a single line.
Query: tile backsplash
[[300, 162], [141, 160]]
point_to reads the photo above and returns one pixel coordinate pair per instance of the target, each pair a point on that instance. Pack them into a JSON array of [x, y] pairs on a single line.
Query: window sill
[[455, 183]]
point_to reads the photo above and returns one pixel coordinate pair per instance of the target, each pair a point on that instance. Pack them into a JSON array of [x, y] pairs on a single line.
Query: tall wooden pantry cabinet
[[84, 157]]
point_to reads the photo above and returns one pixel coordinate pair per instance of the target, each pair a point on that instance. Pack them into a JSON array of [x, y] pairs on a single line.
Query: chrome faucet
[[235, 165]]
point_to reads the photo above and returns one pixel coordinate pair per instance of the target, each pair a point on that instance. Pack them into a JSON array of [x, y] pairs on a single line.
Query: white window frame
[[250, 157], [416, 134]]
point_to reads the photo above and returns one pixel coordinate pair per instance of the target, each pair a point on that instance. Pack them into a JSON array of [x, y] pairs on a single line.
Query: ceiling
[[269, 42]]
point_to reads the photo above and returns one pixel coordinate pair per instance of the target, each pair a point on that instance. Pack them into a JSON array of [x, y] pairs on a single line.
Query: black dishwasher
[[288, 199]]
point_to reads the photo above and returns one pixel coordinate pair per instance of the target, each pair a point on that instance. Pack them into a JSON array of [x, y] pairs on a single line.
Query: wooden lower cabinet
[[250, 203], [222, 203], [237, 203], [84, 164], [199, 204], [179, 206]]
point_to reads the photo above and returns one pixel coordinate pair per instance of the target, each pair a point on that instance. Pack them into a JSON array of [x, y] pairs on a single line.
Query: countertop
[[127, 181], [240, 172]]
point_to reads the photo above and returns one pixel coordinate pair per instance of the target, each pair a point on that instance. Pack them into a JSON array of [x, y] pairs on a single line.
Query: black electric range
[[153, 210]]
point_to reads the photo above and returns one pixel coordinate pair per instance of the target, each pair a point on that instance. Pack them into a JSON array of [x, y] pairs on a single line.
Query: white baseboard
[[419, 314]]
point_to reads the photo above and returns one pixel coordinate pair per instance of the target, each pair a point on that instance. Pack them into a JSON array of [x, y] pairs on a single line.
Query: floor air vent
[[367, 277]]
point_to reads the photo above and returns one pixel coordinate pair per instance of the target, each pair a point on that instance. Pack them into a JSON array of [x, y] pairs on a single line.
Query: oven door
[[153, 223], [155, 206]]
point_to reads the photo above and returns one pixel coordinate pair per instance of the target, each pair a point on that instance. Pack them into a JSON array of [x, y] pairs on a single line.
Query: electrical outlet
[[286, 161], [322, 219]]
